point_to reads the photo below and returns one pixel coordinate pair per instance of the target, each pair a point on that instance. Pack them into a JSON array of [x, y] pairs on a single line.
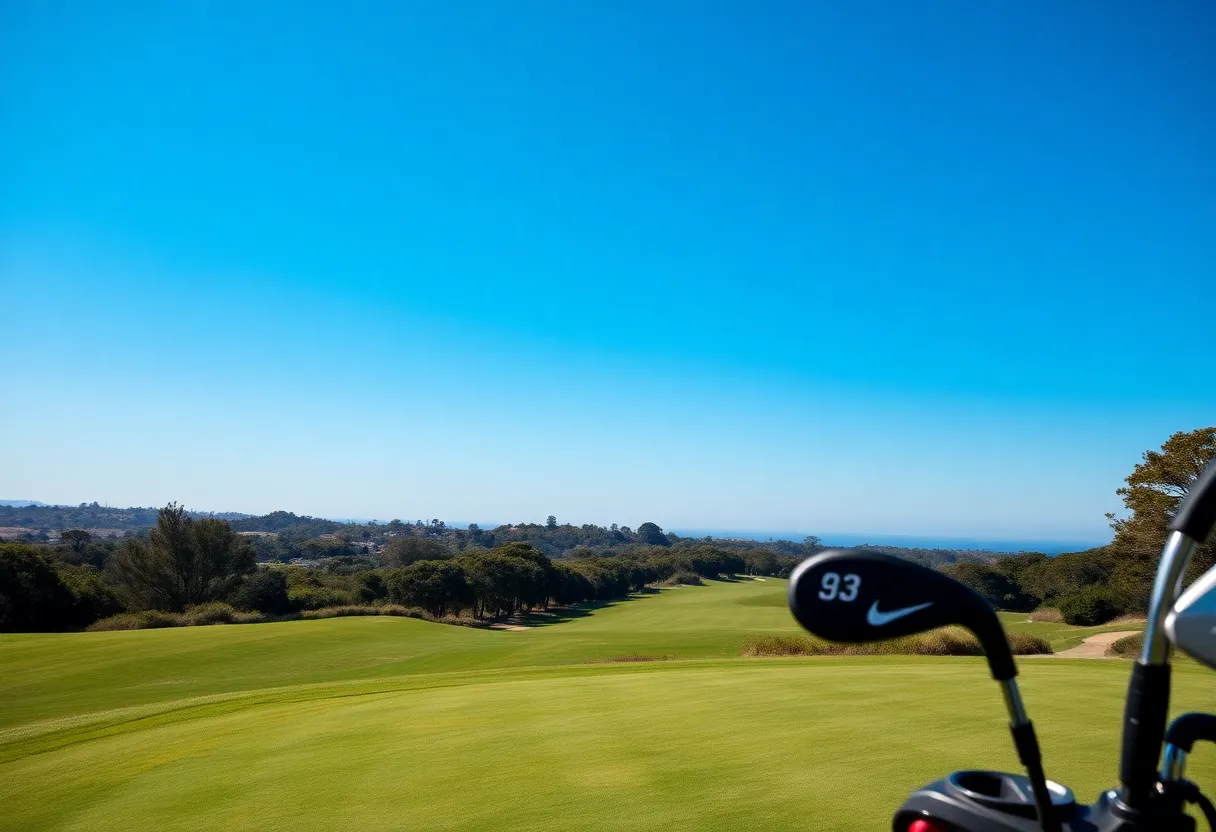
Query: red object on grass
[[922, 825]]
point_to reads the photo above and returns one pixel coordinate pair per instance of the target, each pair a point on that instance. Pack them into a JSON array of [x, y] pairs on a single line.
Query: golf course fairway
[[379, 723]]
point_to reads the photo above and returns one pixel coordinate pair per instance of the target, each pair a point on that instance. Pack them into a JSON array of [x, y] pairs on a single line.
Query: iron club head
[[1191, 623], [855, 596]]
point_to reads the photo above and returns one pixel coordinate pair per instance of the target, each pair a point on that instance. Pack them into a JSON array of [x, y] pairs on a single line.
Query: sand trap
[[512, 627], [1094, 647]]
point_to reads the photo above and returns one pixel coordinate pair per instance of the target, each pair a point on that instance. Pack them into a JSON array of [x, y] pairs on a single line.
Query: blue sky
[[936, 268]]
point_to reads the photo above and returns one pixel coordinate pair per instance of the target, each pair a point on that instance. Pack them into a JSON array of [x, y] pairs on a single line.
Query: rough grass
[[364, 609], [950, 641], [1051, 615], [219, 613]]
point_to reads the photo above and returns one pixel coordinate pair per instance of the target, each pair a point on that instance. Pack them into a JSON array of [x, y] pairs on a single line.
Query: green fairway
[[390, 723]]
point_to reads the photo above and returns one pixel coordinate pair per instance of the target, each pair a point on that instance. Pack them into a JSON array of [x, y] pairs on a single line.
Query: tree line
[[184, 562], [187, 559]]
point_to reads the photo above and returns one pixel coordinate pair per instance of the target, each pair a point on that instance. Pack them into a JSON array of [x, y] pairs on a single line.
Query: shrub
[[684, 577], [309, 597], [1128, 647], [1051, 615], [1029, 644], [1090, 606], [264, 591], [362, 609], [950, 641], [214, 612], [146, 620]]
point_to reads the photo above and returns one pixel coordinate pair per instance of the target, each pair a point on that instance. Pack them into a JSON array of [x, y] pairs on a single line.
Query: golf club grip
[[1189, 728], [1148, 701], [1197, 514], [1027, 745]]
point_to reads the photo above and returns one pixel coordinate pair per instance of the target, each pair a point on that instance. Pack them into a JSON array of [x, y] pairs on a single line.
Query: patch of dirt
[[512, 627], [1094, 647]]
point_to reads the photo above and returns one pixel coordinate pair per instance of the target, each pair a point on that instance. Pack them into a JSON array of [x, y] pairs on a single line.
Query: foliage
[[995, 583], [365, 609], [93, 595], [290, 526], [76, 539], [402, 551], [263, 591], [184, 561], [652, 535], [436, 586], [213, 612], [1152, 494], [144, 620], [32, 596], [1128, 647], [1091, 606], [1047, 615]]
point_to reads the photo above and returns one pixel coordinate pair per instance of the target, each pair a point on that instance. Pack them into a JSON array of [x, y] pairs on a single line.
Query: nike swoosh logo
[[876, 619]]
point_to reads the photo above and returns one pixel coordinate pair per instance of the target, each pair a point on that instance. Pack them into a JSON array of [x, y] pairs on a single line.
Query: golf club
[[854, 596], [1191, 624], [1181, 737], [1148, 692]]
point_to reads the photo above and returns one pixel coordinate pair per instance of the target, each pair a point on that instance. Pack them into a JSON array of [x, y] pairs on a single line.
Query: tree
[[551, 522], [264, 591], [652, 534], [32, 597], [1154, 490], [996, 585], [437, 586], [402, 551], [183, 562], [76, 539]]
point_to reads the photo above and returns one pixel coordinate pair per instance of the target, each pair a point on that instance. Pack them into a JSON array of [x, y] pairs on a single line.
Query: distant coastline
[[909, 541]]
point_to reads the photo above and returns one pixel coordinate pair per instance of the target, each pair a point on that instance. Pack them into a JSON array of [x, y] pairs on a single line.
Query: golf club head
[[1191, 624], [854, 596]]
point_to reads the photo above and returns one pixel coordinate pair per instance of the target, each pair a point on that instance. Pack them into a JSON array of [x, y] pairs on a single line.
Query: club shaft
[[1166, 587], [1027, 745]]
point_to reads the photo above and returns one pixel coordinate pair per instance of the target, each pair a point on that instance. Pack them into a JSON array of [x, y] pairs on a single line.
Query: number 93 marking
[[831, 587]]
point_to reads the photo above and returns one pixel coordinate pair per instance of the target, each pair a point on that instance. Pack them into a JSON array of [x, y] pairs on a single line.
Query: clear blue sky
[[940, 268]]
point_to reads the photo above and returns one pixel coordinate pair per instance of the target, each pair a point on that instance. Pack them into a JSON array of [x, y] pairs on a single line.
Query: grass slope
[[384, 723]]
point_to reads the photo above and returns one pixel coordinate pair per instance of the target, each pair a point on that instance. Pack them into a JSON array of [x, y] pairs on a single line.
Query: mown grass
[[396, 723]]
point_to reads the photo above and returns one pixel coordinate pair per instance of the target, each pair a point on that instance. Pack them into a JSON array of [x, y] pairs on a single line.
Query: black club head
[[853, 596]]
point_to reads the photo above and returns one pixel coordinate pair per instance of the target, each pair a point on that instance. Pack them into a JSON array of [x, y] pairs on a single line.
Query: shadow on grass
[[560, 615]]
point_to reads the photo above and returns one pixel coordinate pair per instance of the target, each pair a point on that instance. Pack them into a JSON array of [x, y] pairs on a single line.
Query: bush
[[1128, 647], [264, 591], [1050, 615], [1090, 606], [361, 609], [146, 620], [684, 578], [211, 613], [307, 597], [950, 641], [1029, 644]]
